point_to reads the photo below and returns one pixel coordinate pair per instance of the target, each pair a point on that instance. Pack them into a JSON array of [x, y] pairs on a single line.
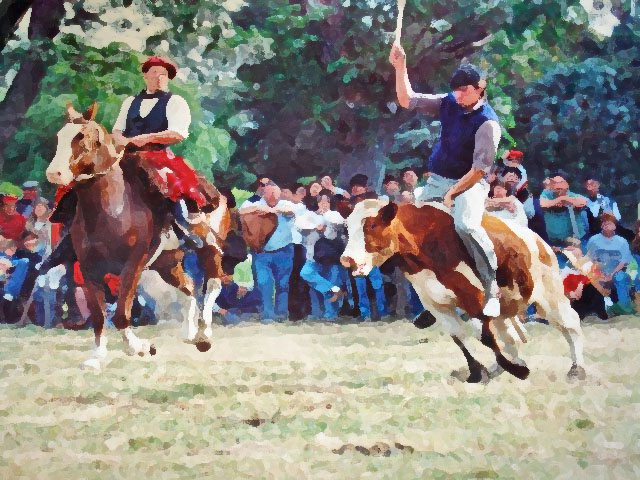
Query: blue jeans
[[13, 286], [321, 278], [194, 270], [375, 277], [273, 269], [44, 302], [622, 283]]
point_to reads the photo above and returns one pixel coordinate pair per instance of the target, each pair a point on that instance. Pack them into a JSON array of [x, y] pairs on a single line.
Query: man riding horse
[[148, 123]]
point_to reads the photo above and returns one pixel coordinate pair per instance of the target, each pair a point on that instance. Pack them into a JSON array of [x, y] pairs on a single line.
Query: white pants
[[467, 212]]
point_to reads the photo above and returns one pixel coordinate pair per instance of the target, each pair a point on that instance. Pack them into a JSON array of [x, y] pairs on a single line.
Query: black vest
[[156, 121]]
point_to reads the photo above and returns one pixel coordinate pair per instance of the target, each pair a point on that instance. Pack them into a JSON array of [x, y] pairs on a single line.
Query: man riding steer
[[466, 150]]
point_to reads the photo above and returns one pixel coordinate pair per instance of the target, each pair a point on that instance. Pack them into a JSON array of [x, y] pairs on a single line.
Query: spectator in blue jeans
[[273, 265], [612, 254], [13, 285]]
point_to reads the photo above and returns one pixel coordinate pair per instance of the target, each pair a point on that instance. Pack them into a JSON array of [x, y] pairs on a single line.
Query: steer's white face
[[59, 170], [356, 254]]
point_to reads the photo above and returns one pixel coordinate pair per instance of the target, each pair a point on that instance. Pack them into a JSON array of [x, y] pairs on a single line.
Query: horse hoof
[[203, 346], [152, 350], [92, 364], [577, 372]]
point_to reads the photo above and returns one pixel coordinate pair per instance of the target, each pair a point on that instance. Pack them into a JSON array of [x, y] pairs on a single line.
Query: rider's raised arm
[[407, 98]]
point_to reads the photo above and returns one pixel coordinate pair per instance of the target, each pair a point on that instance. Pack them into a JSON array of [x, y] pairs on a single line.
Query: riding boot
[[182, 227]]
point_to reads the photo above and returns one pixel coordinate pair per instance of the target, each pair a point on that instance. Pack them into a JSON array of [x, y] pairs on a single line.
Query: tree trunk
[[46, 16], [11, 11]]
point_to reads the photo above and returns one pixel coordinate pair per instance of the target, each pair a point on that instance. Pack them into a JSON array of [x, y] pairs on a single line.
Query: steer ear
[[91, 112], [72, 113], [388, 213]]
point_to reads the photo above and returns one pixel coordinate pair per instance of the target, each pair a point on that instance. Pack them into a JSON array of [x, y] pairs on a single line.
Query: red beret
[[515, 155], [160, 62], [10, 199]]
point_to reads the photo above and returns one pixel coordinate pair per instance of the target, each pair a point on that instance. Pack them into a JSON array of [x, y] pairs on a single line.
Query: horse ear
[[72, 113], [91, 112], [388, 213]]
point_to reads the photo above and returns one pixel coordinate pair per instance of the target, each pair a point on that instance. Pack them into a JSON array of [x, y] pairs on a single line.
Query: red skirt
[[173, 176]]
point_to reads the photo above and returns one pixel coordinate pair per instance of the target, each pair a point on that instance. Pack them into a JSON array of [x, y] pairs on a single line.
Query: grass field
[[316, 401]]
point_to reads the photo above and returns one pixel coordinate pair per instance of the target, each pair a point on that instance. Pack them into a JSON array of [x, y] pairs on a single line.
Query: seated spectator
[[13, 286], [359, 186], [562, 210], [505, 206], [237, 303], [612, 255], [582, 282], [512, 179], [12, 224], [390, 189], [30, 193], [314, 188], [513, 160], [407, 198], [327, 183], [39, 224]]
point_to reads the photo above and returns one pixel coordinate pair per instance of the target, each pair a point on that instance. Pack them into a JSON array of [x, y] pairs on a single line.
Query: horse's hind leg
[[169, 266], [557, 311], [129, 278], [94, 294]]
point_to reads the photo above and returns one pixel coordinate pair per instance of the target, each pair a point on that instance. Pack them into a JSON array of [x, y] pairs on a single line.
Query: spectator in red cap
[[11, 222], [149, 123], [513, 159]]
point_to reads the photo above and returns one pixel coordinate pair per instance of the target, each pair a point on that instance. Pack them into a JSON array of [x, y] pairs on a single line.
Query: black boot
[[424, 320]]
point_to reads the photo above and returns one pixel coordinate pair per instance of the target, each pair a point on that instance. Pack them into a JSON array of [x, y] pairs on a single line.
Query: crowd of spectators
[[297, 274]]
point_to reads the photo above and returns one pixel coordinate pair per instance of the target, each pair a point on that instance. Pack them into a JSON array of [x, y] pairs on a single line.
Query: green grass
[[316, 401]]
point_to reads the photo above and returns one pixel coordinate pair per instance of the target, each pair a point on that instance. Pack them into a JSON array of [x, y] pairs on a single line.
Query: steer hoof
[[152, 350], [424, 320], [479, 375], [203, 346], [577, 372]]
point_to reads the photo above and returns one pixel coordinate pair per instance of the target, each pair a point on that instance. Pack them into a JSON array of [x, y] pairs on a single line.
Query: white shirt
[[178, 113]]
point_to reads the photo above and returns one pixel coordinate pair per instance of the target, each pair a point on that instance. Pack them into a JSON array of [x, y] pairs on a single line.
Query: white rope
[[401, 4]]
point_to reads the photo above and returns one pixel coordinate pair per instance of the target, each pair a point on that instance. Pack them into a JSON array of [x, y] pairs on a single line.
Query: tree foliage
[[294, 88]]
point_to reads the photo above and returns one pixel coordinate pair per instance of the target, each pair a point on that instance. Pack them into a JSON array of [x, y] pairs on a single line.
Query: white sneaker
[[492, 308]]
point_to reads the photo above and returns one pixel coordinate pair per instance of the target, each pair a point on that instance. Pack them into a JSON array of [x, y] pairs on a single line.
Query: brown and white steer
[[437, 264]]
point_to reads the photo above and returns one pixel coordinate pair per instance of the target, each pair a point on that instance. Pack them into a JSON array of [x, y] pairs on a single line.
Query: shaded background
[[303, 87]]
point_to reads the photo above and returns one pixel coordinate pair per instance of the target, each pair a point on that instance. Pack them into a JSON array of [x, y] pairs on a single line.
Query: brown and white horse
[[434, 259], [118, 228]]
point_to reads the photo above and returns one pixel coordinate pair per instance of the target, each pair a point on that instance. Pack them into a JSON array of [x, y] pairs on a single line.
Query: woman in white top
[[505, 206]]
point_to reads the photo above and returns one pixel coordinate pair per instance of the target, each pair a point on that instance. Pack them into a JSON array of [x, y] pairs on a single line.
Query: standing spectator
[[11, 222], [407, 198], [314, 188], [503, 205], [299, 302], [360, 191], [562, 212], [409, 178], [30, 193], [512, 178], [612, 254], [597, 204], [327, 183], [258, 188], [390, 189], [273, 265]]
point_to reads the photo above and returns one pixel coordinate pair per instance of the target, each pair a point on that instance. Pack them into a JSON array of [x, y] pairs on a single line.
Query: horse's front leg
[[129, 278], [94, 295]]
